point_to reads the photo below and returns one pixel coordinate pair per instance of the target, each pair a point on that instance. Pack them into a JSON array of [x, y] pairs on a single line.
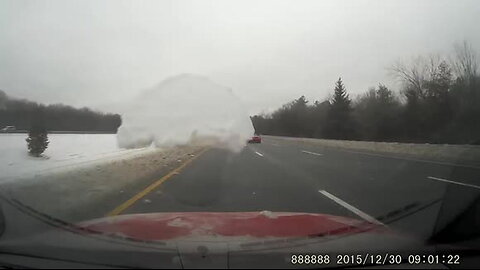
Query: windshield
[[239, 133]]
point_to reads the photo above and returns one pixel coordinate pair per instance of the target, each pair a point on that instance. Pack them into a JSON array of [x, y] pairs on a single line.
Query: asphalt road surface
[[289, 176]]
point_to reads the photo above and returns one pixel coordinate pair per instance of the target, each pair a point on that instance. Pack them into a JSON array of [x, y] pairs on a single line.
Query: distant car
[[8, 128], [255, 139]]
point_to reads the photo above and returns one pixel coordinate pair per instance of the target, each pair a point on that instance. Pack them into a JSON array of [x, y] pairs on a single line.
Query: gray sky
[[95, 52]]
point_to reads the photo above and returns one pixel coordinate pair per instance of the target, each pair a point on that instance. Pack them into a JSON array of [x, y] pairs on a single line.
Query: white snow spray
[[185, 109]]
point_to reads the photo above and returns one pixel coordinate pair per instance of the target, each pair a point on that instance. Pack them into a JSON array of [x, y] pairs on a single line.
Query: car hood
[[199, 239], [215, 225]]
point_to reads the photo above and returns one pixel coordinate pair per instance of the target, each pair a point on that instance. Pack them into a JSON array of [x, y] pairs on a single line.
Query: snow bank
[[185, 109], [465, 155]]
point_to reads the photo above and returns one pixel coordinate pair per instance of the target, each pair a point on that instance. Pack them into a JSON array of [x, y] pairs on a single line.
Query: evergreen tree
[[37, 141], [341, 99], [340, 121]]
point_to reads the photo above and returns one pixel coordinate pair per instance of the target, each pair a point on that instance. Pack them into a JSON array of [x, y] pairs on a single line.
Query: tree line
[[24, 114], [439, 102]]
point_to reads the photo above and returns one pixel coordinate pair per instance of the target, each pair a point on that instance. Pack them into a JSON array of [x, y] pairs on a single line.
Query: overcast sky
[[93, 53]]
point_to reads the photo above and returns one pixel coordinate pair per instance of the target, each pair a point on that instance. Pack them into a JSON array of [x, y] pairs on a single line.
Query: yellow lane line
[[153, 186]]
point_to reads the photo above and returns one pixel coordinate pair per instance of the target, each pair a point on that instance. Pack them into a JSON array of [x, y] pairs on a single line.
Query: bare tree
[[411, 75], [465, 63], [415, 74], [422, 75]]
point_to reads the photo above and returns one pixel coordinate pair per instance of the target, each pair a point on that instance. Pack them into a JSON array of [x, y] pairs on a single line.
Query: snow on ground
[[78, 193], [64, 150]]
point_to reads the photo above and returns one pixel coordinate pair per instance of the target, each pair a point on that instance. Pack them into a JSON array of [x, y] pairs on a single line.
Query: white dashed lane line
[[350, 207], [311, 153], [258, 153], [453, 182]]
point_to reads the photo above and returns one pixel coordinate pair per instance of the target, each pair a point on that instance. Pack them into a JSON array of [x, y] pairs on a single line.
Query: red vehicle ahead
[[255, 139]]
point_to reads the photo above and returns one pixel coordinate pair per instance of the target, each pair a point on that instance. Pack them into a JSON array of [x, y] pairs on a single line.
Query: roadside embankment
[[468, 155], [91, 190]]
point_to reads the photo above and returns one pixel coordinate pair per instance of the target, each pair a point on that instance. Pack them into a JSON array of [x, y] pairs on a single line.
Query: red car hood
[[210, 225]]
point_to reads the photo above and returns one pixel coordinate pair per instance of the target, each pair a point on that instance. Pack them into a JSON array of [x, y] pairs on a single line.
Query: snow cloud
[[185, 109]]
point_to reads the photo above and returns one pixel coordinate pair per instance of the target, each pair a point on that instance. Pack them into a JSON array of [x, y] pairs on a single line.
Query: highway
[[290, 176]]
